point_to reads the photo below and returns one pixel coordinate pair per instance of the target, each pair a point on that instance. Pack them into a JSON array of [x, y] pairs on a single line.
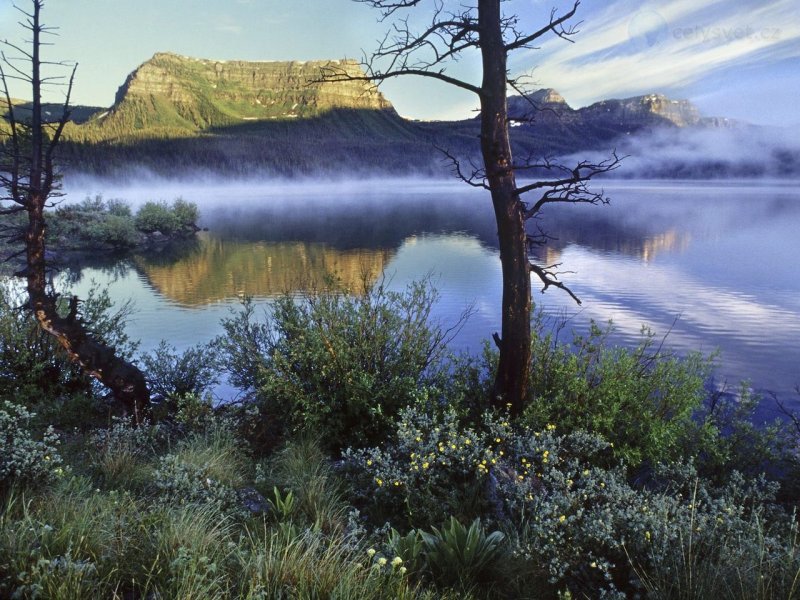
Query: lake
[[714, 264]]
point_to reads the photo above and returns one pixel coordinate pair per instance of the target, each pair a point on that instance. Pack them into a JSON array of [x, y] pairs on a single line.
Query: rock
[[254, 502]]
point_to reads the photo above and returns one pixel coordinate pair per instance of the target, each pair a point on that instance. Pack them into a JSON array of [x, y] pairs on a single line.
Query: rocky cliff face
[[626, 115], [643, 111], [174, 92]]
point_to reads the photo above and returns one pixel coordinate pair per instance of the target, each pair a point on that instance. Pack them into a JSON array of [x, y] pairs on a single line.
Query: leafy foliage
[[173, 375], [339, 365], [643, 399], [93, 222], [33, 368], [178, 219], [449, 500], [460, 555], [432, 467]]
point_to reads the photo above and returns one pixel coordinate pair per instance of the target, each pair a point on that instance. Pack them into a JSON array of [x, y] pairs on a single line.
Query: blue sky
[[738, 59]]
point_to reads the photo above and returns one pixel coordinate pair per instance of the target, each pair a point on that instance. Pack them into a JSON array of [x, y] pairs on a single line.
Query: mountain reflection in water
[[216, 269]]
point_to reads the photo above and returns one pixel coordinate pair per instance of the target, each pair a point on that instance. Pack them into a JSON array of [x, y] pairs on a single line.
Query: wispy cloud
[[229, 28], [663, 46]]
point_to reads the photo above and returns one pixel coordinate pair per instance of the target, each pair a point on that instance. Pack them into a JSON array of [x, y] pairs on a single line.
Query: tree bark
[[511, 381]]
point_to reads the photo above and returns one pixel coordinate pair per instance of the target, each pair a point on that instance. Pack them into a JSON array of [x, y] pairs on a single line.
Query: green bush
[[156, 216], [433, 467], [178, 219], [23, 458], [122, 453], [186, 213], [207, 468], [93, 222], [174, 375], [643, 399], [336, 365]]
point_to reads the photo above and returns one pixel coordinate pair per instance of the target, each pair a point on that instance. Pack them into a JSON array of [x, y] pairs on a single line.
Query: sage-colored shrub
[[24, 459], [93, 222], [431, 468]]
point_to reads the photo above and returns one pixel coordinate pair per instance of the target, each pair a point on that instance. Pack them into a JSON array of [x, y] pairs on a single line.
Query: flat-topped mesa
[[649, 110], [178, 92]]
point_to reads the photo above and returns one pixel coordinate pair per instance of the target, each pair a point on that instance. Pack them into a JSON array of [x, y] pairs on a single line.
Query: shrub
[[122, 452], [156, 216], [24, 459], [114, 230], [36, 372], [178, 219], [432, 468], [186, 213], [643, 399], [174, 375], [205, 469], [337, 365], [94, 222]]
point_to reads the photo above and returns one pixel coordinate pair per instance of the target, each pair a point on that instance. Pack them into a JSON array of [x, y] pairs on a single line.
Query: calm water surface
[[713, 264]]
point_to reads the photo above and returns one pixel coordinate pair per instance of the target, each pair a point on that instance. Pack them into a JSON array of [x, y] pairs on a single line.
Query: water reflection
[[216, 269]]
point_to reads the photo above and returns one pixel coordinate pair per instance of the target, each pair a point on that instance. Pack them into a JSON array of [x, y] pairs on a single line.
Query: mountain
[[175, 114], [171, 95]]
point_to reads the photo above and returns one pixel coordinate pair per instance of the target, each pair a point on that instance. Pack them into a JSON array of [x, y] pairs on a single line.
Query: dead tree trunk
[[514, 342], [30, 183]]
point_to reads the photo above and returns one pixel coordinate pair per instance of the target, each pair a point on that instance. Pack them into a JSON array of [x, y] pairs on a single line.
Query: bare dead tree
[[455, 29], [28, 176]]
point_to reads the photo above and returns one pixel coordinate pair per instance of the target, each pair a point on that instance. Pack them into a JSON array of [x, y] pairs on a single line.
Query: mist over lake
[[713, 265]]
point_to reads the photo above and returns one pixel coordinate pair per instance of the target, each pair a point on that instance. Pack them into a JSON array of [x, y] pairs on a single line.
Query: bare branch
[[388, 8], [549, 278], [572, 188], [555, 26], [65, 115], [476, 177], [331, 74]]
